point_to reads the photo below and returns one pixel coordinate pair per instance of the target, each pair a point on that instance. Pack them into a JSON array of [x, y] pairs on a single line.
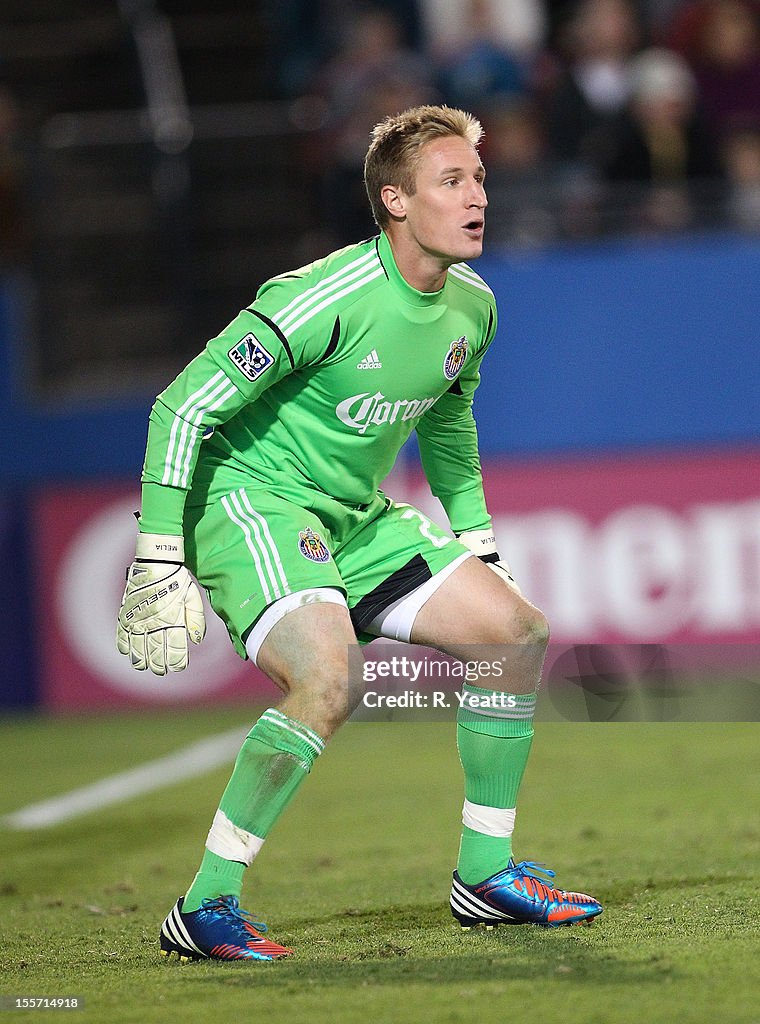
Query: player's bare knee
[[530, 626], [539, 628]]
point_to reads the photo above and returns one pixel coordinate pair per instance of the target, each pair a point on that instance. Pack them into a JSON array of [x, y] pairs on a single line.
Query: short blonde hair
[[393, 153]]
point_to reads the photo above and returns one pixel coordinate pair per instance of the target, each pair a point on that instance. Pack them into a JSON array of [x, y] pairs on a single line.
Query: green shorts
[[252, 548]]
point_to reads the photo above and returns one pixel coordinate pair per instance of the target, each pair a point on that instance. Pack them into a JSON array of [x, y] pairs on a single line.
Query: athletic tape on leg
[[228, 840], [490, 821]]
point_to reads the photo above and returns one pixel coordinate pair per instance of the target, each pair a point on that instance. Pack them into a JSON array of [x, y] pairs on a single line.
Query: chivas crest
[[455, 357], [311, 546]]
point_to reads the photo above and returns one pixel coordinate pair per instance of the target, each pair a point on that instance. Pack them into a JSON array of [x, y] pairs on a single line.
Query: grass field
[[660, 821]]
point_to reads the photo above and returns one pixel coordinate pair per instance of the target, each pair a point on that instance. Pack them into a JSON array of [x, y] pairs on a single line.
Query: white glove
[[483, 544], [161, 606]]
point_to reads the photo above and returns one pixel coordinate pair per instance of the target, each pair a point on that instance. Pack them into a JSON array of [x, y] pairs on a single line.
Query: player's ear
[[393, 199]]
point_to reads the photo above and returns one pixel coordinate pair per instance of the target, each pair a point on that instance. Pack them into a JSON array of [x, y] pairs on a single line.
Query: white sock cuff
[[491, 821], [231, 842]]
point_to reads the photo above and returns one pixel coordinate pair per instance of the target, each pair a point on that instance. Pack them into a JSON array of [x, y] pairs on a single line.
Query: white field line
[[196, 759]]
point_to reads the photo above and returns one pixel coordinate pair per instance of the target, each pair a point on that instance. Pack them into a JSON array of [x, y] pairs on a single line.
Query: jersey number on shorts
[[425, 527]]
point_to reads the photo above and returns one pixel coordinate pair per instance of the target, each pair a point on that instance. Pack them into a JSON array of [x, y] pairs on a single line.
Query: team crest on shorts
[[455, 357], [311, 546], [250, 357]]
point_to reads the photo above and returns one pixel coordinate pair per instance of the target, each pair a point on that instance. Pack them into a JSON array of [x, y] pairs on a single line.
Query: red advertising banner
[[86, 539], [661, 548], [630, 549]]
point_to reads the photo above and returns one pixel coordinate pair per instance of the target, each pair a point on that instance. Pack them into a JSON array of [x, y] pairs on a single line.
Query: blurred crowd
[[600, 116]]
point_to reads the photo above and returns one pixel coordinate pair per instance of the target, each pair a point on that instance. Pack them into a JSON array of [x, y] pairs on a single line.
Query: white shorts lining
[[279, 609], [397, 620]]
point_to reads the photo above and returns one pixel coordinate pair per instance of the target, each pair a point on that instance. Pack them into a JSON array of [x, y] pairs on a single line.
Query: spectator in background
[[721, 41], [479, 67], [741, 160], [587, 100], [523, 199], [663, 147], [515, 26], [306, 34], [373, 75]]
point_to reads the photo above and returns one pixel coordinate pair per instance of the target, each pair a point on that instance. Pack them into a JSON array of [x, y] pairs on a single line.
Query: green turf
[[660, 821]]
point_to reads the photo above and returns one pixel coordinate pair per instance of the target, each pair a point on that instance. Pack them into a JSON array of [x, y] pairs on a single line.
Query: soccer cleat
[[517, 895], [219, 930]]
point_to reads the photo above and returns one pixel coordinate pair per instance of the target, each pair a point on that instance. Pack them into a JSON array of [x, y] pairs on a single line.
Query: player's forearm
[[163, 491], [455, 479], [162, 508], [465, 508], [450, 459]]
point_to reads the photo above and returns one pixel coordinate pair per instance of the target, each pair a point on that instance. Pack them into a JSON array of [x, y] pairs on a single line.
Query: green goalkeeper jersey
[[311, 392]]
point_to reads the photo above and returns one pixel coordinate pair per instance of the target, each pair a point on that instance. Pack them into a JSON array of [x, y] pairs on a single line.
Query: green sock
[[216, 877], [494, 742], [275, 758]]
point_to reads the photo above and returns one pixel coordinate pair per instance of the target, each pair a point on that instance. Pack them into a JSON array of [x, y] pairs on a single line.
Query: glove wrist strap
[[481, 542], [159, 547]]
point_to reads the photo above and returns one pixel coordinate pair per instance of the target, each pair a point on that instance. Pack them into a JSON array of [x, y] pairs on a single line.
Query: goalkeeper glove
[[483, 544], [160, 608]]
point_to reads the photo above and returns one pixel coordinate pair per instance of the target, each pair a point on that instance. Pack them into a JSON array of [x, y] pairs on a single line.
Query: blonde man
[[261, 478]]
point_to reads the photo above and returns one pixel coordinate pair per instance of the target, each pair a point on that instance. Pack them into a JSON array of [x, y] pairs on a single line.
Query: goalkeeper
[[261, 479]]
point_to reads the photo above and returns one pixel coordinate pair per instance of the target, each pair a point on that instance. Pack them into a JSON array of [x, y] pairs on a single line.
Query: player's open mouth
[[474, 227]]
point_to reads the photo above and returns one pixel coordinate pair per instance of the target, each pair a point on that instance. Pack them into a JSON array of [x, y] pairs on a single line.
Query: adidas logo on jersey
[[370, 362]]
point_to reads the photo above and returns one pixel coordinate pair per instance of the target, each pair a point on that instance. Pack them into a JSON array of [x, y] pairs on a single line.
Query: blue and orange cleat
[[219, 930], [517, 895]]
